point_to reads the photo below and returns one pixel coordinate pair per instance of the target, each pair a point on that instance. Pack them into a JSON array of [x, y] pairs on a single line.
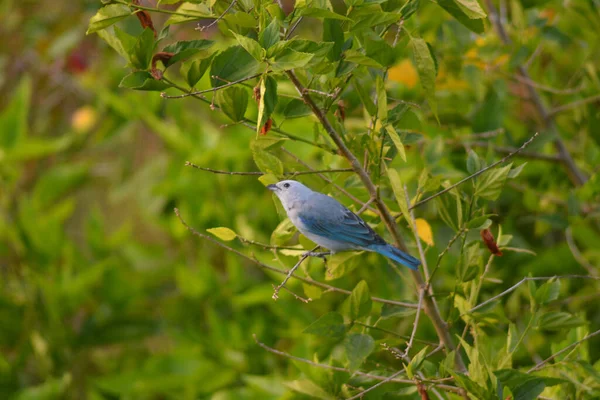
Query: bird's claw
[[316, 254]]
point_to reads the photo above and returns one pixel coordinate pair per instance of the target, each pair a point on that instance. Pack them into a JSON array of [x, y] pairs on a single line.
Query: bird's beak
[[272, 188]]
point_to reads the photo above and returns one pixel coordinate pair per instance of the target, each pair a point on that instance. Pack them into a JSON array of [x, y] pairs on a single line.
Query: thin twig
[[282, 272], [293, 28], [577, 254], [576, 176], [258, 173], [277, 288], [375, 386], [203, 28], [574, 104], [430, 303], [522, 281], [165, 96], [558, 353], [416, 322], [443, 253], [448, 388], [481, 171]]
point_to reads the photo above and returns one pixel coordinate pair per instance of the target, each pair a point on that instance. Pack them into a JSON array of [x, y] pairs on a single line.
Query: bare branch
[[558, 353], [430, 304], [577, 254], [258, 173], [576, 176], [416, 322], [375, 386], [476, 174], [203, 28], [574, 104], [277, 288], [278, 271], [443, 253], [522, 281], [199, 92], [448, 388]]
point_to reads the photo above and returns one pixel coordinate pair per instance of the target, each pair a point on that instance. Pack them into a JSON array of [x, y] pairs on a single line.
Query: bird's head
[[289, 191]]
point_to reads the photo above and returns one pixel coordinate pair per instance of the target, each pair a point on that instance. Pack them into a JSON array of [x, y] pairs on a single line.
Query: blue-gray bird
[[329, 224]]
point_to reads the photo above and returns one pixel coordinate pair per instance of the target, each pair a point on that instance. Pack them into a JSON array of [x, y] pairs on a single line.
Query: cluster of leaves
[[139, 309]]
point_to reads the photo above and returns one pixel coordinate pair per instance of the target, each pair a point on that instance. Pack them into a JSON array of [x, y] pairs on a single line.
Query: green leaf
[[340, 264], [251, 46], [557, 320], [462, 10], [268, 179], [365, 97], [141, 53], [107, 16], [396, 140], [382, 111], [222, 233], [233, 64], [525, 386], [356, 57], [185, 49], [13, 119], [370, 19], [233, 101], [270, 35], [359, 303], [358, 347], [399, 193], [289, 59], [489, 184], [480, 222], [409, 8], [548, 292], [321, 13], [390, 310], [426, 68], [450, 209], [333, 32], [193, 71], [415, 363], [296, 108], [266, 161], [188, 11], [268, 101], [473, 162], [516, 171], [121, 42], [309, 388], [329, 325], [142, 80]]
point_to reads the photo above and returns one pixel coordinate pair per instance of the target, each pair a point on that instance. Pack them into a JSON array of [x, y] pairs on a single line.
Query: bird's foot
[[316, 254]]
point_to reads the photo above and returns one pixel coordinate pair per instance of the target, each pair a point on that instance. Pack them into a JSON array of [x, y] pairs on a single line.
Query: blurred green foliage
[[106, 295]]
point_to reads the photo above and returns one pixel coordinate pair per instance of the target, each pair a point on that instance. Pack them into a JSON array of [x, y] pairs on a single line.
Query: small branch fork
[[429, 303], [447, 388], [264, 266], [277, 288], [522, 281]]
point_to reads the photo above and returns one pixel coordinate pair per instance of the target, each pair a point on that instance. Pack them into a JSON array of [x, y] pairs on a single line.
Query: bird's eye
[[286, 185]]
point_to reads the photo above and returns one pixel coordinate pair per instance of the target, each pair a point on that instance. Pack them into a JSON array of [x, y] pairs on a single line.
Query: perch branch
[[558, 353], [281, 272], [430, 304]]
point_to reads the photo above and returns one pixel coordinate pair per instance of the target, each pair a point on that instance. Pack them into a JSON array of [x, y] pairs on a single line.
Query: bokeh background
[[104, 294]]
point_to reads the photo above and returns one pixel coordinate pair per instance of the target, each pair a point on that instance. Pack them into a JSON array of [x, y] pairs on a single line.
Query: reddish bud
[[145, 20], [266, 127], [490, 242], [256, 93], [341, 110]]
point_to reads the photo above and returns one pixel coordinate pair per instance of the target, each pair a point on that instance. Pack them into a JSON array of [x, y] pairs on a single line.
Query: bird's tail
[[397, 255]]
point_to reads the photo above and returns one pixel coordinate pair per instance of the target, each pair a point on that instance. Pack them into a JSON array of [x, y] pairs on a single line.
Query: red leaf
[[490, 242], [266, 127]]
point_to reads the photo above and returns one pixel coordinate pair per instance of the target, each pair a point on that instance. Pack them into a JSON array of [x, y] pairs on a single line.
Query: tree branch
[[430, 304], [558, 353], [281, 272], [481, 171], [258, 173], [577, 177], [448, 388]]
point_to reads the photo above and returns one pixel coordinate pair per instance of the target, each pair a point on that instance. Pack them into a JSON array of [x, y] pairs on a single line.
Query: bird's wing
[[330, 219]]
